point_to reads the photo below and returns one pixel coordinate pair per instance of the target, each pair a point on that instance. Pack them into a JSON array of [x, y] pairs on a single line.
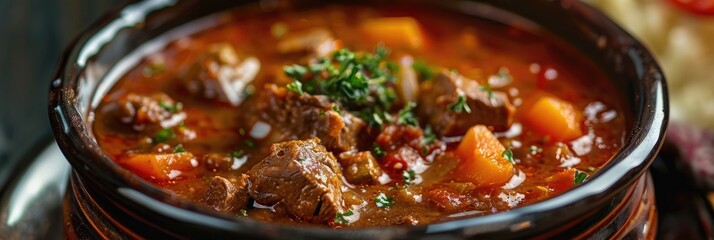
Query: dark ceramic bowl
[[105, 200]]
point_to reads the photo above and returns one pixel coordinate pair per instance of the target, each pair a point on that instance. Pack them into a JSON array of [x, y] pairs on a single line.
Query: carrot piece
[[394, 31], [161, 166], [481, 158], [561, 181], [554, 117]]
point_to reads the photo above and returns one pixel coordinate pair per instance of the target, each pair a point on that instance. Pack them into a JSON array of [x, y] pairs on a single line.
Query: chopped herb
[[460, 105], [237, 154], [383, 200], [241, 131], [406, 116], [580, 177], [488, 89], [429, 136], [153, 69], [164, 135], [425, 71], [336, 109], [248, 91], [301, 159], [295, 86], [508, 154], [249, 143], [378, 152], [179, 149], [340, 217], [592, 169], [295, 71], [322, 112], [409, 176], [171, 108], [278, 29], [504, 75], [244, 212]]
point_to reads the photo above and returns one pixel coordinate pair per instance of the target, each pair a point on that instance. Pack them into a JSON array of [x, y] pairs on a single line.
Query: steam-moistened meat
[[306, 116], [360, 167], [317, 42], [486, 107], [154, 111], [226, 195], [219, 73], [302, 177]]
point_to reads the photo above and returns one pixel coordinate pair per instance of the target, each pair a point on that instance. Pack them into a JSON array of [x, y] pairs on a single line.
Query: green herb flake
[[171, 108], [409, 176], [508, 155], [592, 169], [382, 200], [406, 116], [241, 131], [340, 217], [249, 143], [244, 212], [425, 71], [336, 109], [237, 154], [295, 71], [295, 86], [460, 105], [378, 152], [164, 135], [487, 89], [580, 177], [429, 136], [278, 30], [179, 149], [153, 69]]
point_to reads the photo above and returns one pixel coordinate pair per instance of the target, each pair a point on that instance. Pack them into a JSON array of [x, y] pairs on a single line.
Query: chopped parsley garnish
[[244, 212], [580, 177], [376, 117], [487, 89], [336, 109], [340, 217], [460, 105], [508, 154], [382, 200], [249, 143], [164, 135], [355, 80], [295, 86], [423, 70], [409, 176], [378, 152], [429, 136], [237, 154], [171, 108], [406, 116], [592, 169], [241, 131], [179, 149], [153, 69]]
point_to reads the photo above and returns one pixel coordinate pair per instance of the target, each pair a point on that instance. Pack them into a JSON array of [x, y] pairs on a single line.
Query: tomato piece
[[703, 7], [395, 162]]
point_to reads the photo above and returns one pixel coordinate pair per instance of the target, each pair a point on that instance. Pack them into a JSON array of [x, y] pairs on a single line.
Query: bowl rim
[[86, 157]]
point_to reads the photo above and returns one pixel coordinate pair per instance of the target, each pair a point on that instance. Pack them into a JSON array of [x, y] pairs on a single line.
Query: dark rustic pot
[[105, 200]]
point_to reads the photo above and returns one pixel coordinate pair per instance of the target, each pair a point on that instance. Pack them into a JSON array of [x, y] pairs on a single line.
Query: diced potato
[[394, 31], [554, 117], [481, 157], [160, 166]]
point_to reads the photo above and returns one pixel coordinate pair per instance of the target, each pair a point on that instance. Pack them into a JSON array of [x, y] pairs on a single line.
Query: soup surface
[[354, 116]]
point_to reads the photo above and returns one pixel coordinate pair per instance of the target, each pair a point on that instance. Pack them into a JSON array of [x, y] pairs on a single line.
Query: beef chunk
[[301, 177], [437, 95], [294, 116], [316, 42], [360, 167], [220, 74], [226, 195], [155, 111]]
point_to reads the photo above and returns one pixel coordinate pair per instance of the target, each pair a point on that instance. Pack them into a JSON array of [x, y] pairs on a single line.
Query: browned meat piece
[[316, 42], [294, 116], [360, 167], [444, 91], [220, 74], [226, 195], [301, 177], [157, 110]]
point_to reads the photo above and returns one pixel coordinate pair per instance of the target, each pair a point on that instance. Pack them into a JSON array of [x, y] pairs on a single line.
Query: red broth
[[197, 143]]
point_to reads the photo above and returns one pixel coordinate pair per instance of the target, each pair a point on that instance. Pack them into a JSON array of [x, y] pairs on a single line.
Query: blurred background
[[33, 34]]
